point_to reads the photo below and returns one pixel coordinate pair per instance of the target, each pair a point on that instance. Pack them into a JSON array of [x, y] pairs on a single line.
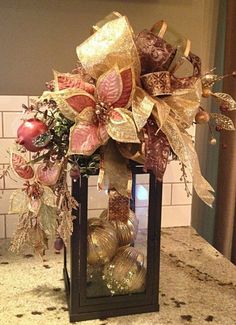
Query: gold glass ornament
[[202, 117], [126, 231], [126, 272], [102, 242]]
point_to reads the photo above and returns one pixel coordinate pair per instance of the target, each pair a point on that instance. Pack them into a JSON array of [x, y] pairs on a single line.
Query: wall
[[38, 36]]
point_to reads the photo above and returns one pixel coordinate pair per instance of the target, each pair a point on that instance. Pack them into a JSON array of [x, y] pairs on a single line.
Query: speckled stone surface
[[198, 286]]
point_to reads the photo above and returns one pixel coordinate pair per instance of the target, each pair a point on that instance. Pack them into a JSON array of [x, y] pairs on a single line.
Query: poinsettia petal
[[79, 102], [68, 80], [84, 139], [109, 86], [103, 133], [70, 101], [20, 166], [127, 77], [124, 129], [88, 115], [116, 116]]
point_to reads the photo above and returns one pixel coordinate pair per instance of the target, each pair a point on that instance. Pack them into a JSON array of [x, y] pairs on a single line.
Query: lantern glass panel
[[117, 250]]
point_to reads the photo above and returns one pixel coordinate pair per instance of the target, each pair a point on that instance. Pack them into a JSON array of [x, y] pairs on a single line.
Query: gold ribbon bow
[[113, 43]]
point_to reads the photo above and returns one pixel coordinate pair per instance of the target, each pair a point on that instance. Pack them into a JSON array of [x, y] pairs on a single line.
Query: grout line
[[7, 138], [5, 226], [180, 205], [2, 123], [171, 194], [4, 180], [11, 111]]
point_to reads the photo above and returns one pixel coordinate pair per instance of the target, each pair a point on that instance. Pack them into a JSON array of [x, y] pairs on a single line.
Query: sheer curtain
[[225, 220]]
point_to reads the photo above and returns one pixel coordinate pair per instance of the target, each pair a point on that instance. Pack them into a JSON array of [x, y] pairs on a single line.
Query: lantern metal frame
[[82, 307]]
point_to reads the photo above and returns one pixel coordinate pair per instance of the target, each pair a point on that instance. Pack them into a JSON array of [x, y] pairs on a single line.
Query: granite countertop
[[197, 286]]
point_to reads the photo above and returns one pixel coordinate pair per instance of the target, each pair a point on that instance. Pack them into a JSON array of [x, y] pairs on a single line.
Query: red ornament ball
[[58, 244], [28, 131], [218, 128], [75, 173]]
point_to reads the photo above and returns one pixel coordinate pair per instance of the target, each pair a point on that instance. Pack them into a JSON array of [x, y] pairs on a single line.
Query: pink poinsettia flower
[[100, 111]]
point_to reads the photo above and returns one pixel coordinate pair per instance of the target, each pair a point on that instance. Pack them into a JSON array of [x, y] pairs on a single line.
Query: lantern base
[[88, 315], [112, 313]]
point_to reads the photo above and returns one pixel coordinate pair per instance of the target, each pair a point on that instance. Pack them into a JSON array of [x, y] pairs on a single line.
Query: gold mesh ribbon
[[111, 44], [183, 107], [116, 173]]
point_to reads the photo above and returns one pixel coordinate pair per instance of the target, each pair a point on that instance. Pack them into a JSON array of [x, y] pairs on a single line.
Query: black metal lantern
[[91, 291]]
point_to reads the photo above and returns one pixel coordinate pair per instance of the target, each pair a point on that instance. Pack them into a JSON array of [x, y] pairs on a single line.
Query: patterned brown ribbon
[[157, 83], [157, 150], [118, 206], [156, 56]]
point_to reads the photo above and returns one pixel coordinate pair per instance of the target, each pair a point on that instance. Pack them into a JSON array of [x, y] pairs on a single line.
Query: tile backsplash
[[176, 210]]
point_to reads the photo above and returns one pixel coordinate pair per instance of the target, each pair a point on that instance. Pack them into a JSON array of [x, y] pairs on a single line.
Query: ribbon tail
[[116, 172], [182, 146], [203, 189]]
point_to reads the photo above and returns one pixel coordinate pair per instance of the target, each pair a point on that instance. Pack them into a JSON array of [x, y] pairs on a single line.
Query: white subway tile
[[4, 201], [179, 195], [12, 181], [12, 103], [166, 195], [2, 226], [11, 122], [5, 145], [173, 173], [32, 99], [11, 224], [176, 216]]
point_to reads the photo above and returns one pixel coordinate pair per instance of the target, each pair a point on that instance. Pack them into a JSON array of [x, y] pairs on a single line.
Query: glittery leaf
[[20, 166], [223, 121], [48, 218], [48, 197], [226, 98], [68, 80], [18, 202], [48, 175]]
